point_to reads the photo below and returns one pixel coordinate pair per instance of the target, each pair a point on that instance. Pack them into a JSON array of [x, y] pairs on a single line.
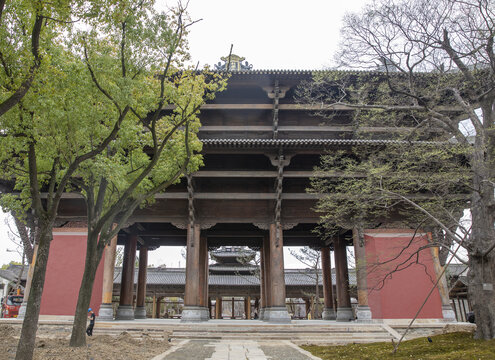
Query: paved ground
[[235, 350]]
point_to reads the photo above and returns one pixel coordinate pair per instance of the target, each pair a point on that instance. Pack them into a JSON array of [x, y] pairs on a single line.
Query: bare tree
[[433, 66], [312, 259]]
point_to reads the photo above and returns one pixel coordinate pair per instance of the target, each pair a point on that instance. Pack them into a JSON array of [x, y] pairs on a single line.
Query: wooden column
[[140, 311], [125, 310], [267, 285], [218, 308], [192, 286], [106, 309], [363, 311], [158, 307], [277, 278], [209, 307], [203, 272], [278, 310], [153, 310], [248, 307], [195, 297], [233, 308], [262, 301], [326, 268], [344, 310]]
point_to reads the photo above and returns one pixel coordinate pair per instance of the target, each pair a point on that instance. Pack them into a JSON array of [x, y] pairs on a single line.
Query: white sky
[[270, 34]]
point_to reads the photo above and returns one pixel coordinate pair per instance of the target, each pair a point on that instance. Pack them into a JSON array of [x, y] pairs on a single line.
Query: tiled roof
[[240, 267], [255, 72], [8, 275], [174, 276], [15, 270], [253, 143]]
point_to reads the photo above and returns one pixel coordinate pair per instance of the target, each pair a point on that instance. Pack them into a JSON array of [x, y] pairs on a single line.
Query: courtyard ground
[[55, 346]]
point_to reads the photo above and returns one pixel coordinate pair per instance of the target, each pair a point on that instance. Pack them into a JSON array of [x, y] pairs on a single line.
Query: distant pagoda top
[[239, 255], [234, 63]]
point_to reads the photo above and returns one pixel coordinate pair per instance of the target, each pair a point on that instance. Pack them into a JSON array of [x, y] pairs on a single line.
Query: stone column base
[[447, 313], [140, 312], [22, 310], [363, 313], [195, 314], [328, 314], [344, 314], [106, 312], [125, 312], [277, 314]]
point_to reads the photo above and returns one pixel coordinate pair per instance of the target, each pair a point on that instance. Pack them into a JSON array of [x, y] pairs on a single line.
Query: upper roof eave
[[263, 143]]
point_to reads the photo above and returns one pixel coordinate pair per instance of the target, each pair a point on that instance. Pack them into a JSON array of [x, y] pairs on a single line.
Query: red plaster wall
[[404, 291], [64, 274]]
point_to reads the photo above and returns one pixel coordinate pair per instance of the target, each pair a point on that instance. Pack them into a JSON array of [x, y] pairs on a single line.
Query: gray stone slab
[[193, 350], [282, 351]]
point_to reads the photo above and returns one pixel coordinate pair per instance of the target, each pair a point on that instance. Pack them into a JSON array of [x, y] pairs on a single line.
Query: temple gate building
[[259, 148]]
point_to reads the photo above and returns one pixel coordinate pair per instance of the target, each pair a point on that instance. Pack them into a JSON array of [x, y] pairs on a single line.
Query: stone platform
[[298, 331]]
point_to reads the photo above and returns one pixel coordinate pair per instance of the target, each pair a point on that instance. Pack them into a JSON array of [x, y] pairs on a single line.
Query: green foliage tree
[[27, 29], [144, 51], [433, 66], [64, 120]]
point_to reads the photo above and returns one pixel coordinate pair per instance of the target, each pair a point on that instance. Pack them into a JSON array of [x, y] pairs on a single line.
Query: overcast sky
[[270, 34]]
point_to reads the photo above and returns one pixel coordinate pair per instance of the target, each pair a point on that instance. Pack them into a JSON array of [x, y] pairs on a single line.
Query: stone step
[[370, 336]]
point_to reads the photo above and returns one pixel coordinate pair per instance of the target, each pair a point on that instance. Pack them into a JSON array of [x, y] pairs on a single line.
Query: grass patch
[[453, 346]]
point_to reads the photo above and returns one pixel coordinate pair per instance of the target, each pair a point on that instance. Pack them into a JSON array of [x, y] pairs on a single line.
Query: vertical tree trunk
[[481, 266], [483, 301], [93, 257], [25, 347]]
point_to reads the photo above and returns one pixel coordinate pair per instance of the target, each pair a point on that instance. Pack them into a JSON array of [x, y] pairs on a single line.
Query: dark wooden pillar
[[267, 277], [326, 268], [262, 301], [191, 291], [248, 315], [140, 310], [363, 311], [125, 310], [233, 308], [218, 308], [158, 307], [209, 307], [344, 310], [203, 272], [195, 307], [277, 308], [106, 308], [277, 278]]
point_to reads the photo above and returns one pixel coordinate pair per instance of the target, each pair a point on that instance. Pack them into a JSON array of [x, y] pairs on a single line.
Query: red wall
[[402, 293], [64, 273]]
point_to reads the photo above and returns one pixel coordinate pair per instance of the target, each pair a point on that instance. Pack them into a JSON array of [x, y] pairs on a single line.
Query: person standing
[[91, 317]]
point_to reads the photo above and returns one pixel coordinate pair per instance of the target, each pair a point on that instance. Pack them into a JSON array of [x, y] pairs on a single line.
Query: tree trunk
[[483, 302], [93, 258], [481, 266], [25, 347], [482, 269]]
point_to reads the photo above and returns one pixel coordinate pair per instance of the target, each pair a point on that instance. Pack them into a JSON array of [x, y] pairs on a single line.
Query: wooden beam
[[303, 128], [269, 174]]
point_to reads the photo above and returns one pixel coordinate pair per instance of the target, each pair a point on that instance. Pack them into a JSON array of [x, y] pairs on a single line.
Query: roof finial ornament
[[234, 64]]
